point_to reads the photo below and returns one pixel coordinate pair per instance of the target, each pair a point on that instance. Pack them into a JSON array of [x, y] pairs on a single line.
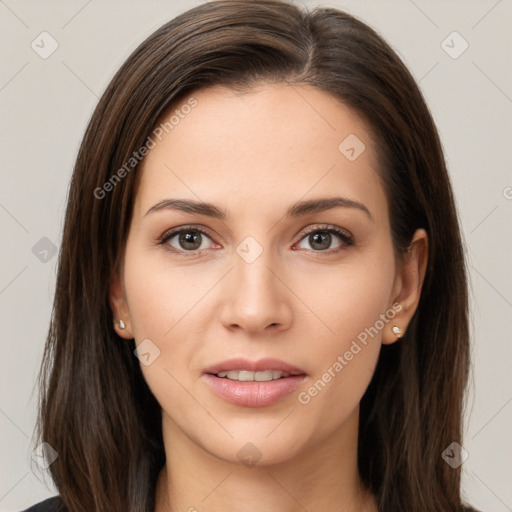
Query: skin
[[254, 154]]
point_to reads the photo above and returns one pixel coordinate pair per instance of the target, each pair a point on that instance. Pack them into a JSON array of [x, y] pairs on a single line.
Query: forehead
[[274, 143]]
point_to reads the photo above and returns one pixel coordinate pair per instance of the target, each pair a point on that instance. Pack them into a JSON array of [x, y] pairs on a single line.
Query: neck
[[323, 477]]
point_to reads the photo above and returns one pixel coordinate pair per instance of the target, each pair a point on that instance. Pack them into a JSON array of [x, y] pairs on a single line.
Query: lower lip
[[254, 394]]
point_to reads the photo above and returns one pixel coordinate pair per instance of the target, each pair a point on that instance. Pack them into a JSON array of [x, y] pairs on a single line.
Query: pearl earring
[[397, 331], [122, 325]]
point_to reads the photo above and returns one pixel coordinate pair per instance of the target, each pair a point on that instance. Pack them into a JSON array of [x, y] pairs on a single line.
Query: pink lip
[[254, 366], [254, 394]]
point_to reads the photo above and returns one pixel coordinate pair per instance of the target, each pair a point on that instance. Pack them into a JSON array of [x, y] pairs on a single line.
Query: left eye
[[321, 239]]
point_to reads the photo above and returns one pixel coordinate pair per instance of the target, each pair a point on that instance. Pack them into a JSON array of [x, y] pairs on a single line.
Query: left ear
[[408, 285]]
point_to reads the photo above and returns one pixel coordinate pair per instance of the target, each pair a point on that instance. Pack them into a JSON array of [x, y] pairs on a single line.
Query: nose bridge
[[256, 298], [252, 268]]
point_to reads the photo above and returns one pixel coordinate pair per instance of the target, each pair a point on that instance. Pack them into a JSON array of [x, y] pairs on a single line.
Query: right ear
[[119, 307]]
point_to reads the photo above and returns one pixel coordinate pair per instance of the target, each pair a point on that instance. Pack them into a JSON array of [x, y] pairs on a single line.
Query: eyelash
[[347, 239]]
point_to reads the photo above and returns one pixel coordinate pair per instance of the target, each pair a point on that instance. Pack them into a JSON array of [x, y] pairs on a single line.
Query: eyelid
[[191, 227], [343, 233]]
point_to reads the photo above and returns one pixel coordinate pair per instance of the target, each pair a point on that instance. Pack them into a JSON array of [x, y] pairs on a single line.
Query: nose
[[255, 295]]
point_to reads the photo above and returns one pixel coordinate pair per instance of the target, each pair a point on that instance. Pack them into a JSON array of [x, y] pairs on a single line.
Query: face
[[311, 293]]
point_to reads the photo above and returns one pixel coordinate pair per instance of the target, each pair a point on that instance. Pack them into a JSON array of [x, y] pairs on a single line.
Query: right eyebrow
[[190, 206]]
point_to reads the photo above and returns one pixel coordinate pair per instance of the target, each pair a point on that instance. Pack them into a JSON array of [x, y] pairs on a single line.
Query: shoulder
[[49, 505]]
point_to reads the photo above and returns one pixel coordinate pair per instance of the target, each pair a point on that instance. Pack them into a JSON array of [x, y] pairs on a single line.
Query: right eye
[[185, 240]]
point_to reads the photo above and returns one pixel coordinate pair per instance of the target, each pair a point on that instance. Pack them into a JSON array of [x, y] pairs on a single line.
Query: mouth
[[248, 376], [253, 383]]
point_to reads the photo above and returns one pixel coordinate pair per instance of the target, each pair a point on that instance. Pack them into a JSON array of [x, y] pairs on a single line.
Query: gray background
[[46, 104]]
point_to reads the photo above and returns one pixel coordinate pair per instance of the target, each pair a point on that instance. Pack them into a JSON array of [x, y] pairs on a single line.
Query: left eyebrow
[[296, 210], [324, 204]]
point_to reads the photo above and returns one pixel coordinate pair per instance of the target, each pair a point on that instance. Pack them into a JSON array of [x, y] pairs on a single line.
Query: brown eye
[[321, 239], [186, 239]]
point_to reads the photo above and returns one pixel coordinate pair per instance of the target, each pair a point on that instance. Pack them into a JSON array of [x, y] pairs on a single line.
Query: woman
[[261, 300]]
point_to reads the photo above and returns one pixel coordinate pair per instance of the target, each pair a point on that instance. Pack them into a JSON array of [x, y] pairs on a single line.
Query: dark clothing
[[50, 505], [55, 505]]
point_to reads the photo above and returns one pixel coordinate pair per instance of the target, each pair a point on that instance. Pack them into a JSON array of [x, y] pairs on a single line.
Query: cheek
[[354, 307], [168, 307], [161, 306], [160, 297], [349, 298]]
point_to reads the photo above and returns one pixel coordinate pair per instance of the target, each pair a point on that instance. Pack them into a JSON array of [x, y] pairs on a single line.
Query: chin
[[256, 447]]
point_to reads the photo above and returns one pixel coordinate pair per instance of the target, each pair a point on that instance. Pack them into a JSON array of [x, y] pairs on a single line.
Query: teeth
[[247, 376]]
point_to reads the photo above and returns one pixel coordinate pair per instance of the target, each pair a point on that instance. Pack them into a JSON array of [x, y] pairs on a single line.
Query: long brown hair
[[96, 410]]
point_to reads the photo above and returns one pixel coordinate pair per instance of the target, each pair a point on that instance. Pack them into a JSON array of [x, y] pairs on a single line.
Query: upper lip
[[254, 366]]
